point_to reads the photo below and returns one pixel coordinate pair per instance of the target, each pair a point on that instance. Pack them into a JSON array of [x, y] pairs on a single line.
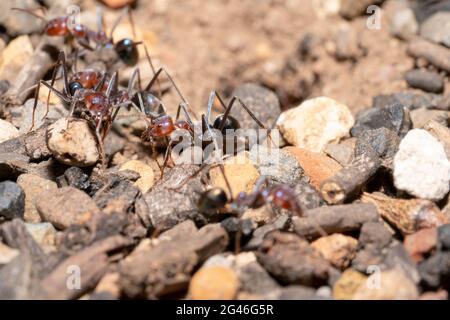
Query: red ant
[[95, 101], [215, 200], [63, 27], [165, 126]]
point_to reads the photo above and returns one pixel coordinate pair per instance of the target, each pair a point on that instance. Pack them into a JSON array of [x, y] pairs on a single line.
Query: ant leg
[[242, 104], [112, 85], [167, 155], [36, 98], [60, 61], [149, 59], [155, 78], [182, 106], [101, 83], [116, 23], [100, 143]]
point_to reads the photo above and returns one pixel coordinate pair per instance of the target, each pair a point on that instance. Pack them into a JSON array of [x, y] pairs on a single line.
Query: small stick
[[350, 180], [335, 219]]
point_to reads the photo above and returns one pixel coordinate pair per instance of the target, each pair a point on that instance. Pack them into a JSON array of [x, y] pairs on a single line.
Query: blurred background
[[297, 48]]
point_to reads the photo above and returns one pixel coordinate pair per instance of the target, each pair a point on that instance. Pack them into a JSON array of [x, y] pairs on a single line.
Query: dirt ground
[[221, 44]]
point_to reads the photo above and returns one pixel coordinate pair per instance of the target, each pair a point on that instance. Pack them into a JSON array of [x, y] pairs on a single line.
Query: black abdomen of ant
[[127, 51]]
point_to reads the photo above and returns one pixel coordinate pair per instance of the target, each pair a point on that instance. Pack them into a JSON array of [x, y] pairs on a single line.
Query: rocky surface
[[353, 203]]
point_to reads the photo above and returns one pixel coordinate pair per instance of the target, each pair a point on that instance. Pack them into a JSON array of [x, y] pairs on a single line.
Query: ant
[[64, 27], [88, 93], [165, 126], [279, 196]]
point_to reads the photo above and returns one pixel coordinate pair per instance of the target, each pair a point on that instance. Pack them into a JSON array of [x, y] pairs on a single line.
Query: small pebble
[[74, 177], [65, 207], [435, 271], [7, 254], [337, 248], [436, 28], [276, 164], [75, 145], [393, 285], [33, 186], [147, 179], [393, 117], [382, 140], [43, 233], [342, 152], [403, 23], [422, 116], [421, 167], [214, 283], [315, 123], [440, 132], [7, 131], [351, 9], [240, 172], [347, 285], [444, 236], [425, 80], [318, 167], [12, 200], [420, 243], [18, 50]]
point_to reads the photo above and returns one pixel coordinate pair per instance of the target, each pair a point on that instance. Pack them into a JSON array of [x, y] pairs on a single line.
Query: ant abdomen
[[127, 51], [212, 200], [151, 104]]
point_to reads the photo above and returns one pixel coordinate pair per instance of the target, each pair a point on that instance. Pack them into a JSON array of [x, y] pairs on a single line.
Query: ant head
[[74, 86], [230, 123], [212, 200], [127, 51]]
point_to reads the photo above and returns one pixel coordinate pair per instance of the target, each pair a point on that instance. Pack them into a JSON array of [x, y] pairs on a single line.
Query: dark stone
[[262, 102], [444, 236], [426, 8], [282, 223], [435, 271], [425, 80], [118, 195], [168, 207], [394, 117], [374, 233], [254, 279], [291, 260], [383, 141], [74, 177], [413, 101], [307, 195], [12, 200], [232, 225]]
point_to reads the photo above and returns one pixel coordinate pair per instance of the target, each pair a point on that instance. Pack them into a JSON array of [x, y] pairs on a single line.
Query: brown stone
[[420, 243], [347, 285], [214, 283], [318, 167], [338, 249], [65, 207]]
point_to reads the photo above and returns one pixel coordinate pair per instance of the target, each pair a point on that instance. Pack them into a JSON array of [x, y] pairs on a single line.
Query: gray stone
[[12, 200], [166, 207], [393, 117], [412, 101], [421, 167], [382, 140], [276, 164], [437, 28], [262, 102], [425, 80], [7, 131], [444, 236]]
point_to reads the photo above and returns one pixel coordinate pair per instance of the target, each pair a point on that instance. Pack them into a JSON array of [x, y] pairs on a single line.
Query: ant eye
[[74, 86], [127, 51]]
